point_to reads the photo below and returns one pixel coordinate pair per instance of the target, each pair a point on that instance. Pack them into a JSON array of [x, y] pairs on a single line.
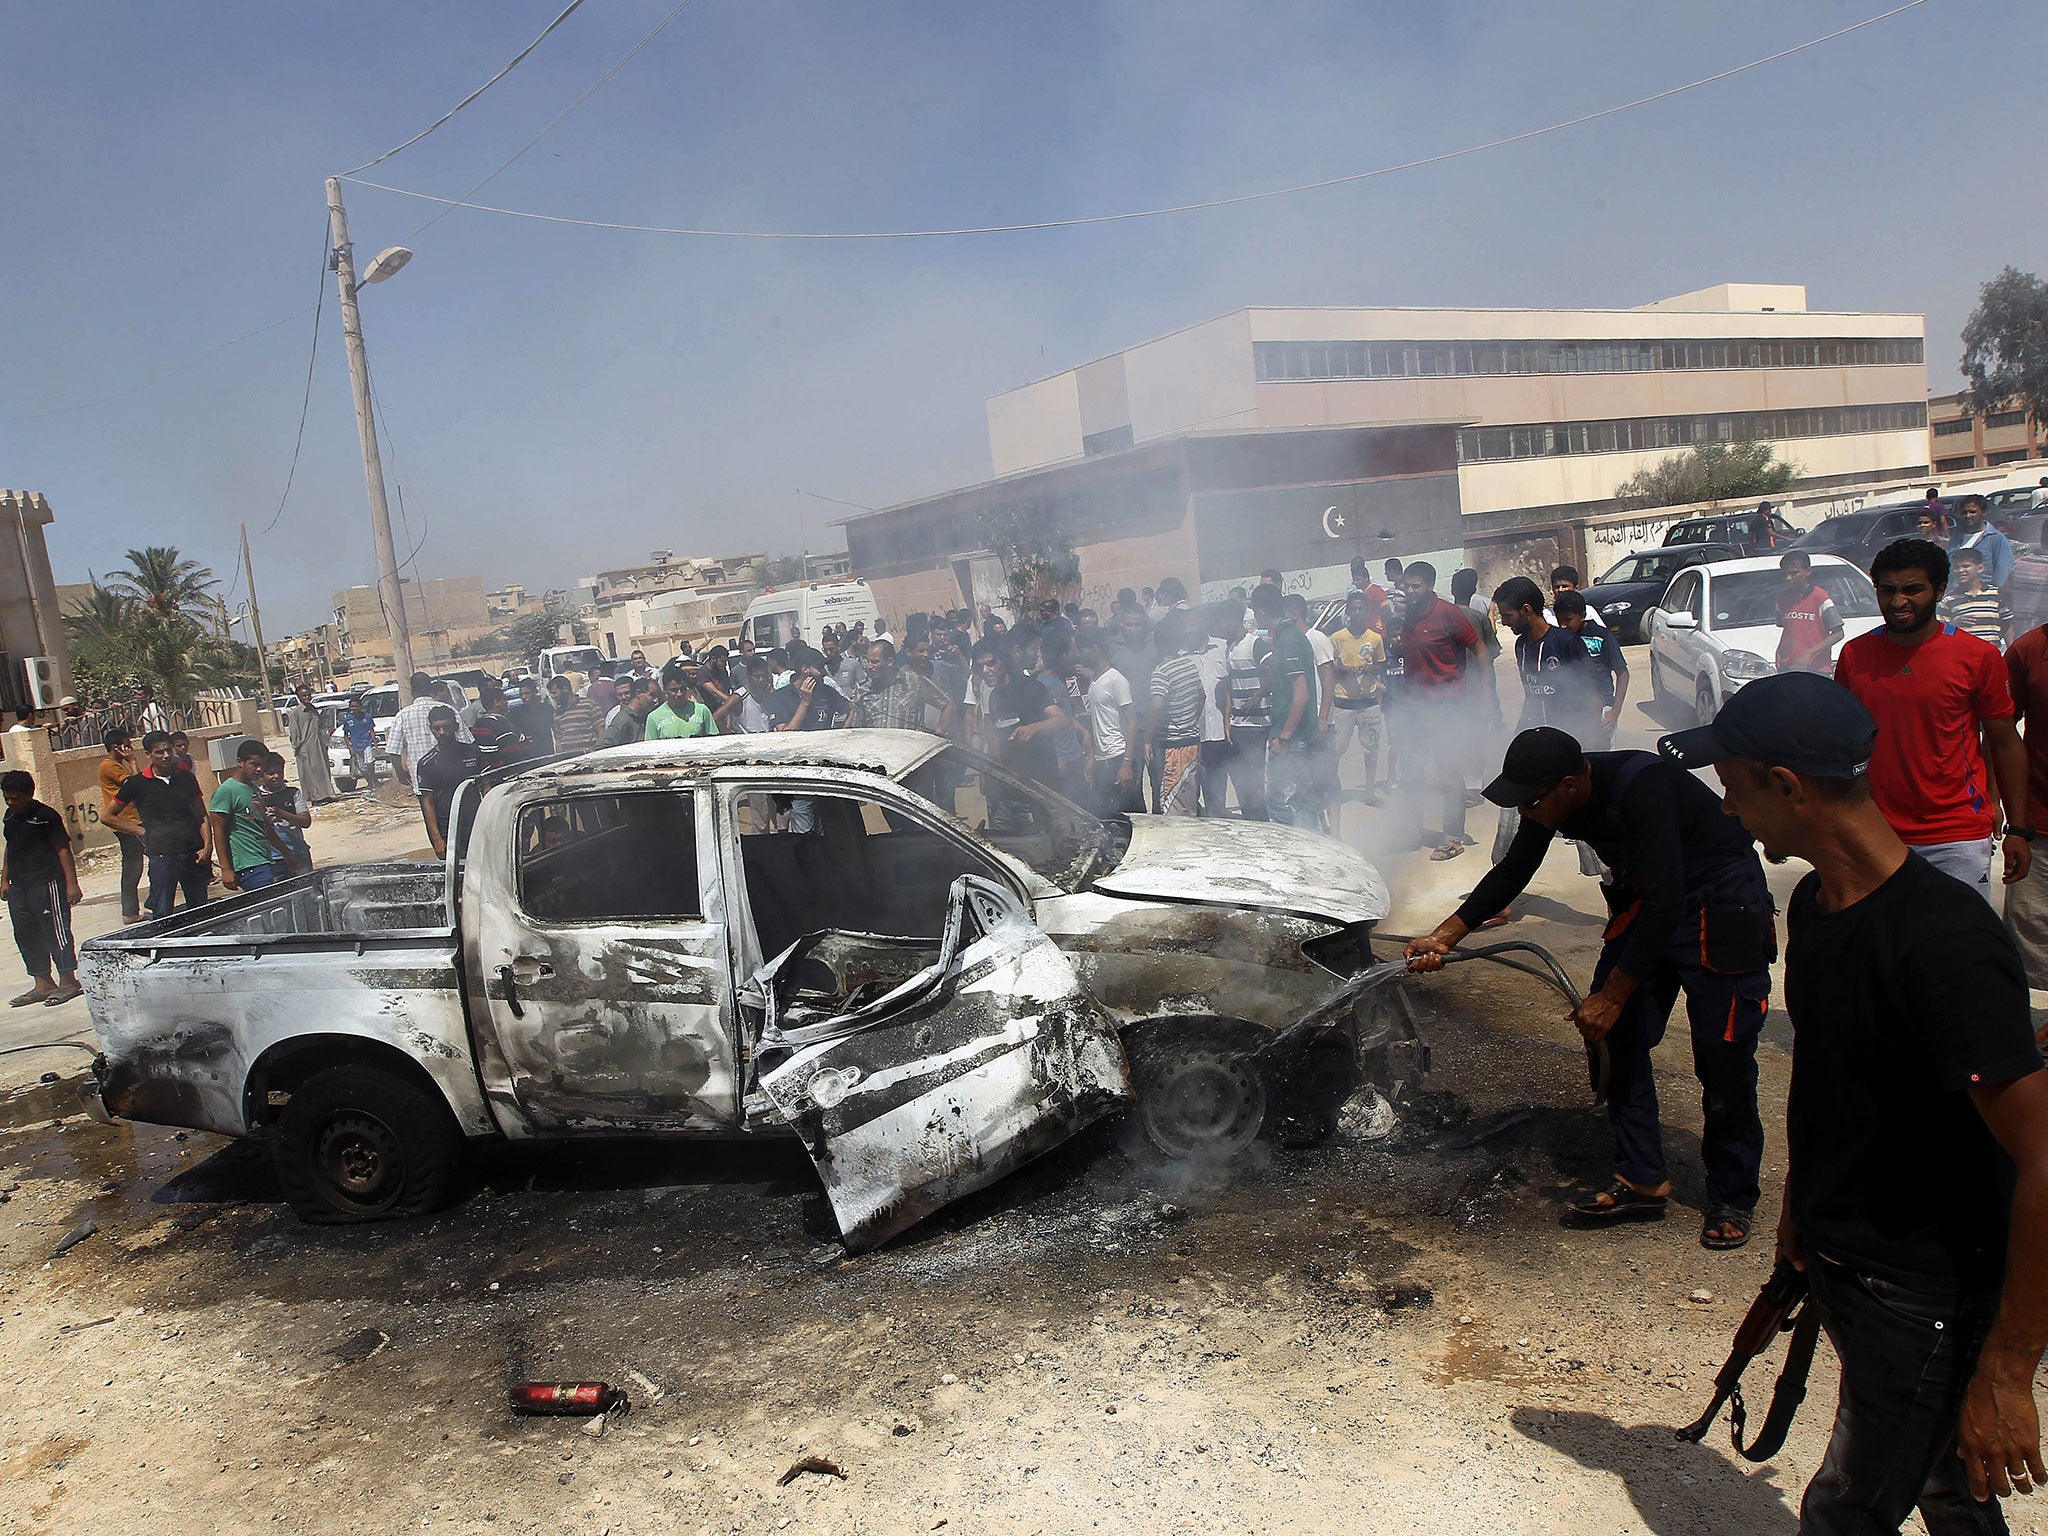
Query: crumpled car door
[[976, 1063]]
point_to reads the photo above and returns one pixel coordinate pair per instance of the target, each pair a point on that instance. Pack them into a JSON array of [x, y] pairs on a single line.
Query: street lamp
[[390, 595]]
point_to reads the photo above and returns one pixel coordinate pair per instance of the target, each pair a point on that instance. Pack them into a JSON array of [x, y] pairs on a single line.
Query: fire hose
[[1599, 1064]]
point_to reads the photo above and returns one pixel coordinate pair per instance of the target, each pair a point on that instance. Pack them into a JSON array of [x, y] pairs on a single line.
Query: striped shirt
[[1248, 708], [1982, 613], [1177, 680]]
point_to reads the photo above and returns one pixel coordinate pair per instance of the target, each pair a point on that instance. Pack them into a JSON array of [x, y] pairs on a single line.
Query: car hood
[[1762, 639], [1215, 861]]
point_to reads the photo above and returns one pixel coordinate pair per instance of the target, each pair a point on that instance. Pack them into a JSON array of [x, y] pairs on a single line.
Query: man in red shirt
[[1932, 688], [1437, 724], [2026, 901], [1809, 624]]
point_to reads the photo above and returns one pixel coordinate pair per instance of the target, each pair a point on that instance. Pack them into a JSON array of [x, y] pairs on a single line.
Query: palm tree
[[164, 583]]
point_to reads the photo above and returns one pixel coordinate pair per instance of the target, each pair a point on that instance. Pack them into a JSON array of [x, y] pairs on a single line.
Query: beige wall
[[1036, 425], [31, 619], [1199, 379], [1560, 481], [70, 781]]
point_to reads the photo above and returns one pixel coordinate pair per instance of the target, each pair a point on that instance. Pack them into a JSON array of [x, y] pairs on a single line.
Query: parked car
[[625, 943], [383, 705], [1751, 531], [1858, 536], [1630, 587], [1716, 627]]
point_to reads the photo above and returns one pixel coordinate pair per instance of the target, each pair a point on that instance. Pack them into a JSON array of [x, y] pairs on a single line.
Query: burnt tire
[[362, 1144], [1199, 1095]]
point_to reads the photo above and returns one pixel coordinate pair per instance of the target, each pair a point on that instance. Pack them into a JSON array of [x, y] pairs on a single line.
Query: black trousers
[[1245, 763], [42, 927], [1726, 1011], [1907, 1357]]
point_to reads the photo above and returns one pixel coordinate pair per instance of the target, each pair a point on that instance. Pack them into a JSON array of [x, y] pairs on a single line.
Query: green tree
[[118, 640], [165, 583], [1036, 550], [1709, 472], [532, 633], [2005, 344]]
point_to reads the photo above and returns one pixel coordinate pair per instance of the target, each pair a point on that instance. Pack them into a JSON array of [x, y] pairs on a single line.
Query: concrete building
[[443, 617], [1960, 438], [31, 615], [1211, 508], [1559, 406]]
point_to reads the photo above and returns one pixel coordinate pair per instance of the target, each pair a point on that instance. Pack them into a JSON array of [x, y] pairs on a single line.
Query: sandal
[[1615, 1204], [1443, 851], [27, 999], [1725, 1216], [63, 995]]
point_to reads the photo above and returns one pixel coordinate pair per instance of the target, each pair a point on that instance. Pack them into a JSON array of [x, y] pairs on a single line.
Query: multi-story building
[[1555, 408], [1961, 438], [442, 618]]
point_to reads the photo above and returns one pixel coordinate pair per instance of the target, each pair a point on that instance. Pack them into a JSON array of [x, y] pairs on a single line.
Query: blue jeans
[[170, 873], [256, 877], [1907, 1358], [1291, 787]]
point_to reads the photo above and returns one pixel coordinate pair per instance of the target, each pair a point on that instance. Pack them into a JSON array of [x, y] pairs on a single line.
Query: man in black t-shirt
[[176, 834], [1916, 1190], [40, 885], [1690, 913], [441, 773]]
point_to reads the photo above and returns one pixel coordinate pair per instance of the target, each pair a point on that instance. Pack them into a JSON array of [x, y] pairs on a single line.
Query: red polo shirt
[[1928, 774], [1435, 647]]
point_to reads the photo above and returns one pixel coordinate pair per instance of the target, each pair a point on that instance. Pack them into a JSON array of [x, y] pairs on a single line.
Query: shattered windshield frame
[[1037, 826]]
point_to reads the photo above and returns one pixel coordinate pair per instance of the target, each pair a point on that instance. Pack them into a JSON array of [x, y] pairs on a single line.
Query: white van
[[802, 612], [557, 659]]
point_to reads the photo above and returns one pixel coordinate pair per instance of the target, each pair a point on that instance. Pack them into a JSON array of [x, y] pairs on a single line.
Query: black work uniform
[[1689, 913]]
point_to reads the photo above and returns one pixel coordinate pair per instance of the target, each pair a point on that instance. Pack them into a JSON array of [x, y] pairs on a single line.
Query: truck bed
[[346, 900], [191, 1009]]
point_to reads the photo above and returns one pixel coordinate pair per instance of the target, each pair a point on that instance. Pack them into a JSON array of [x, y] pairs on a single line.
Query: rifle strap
[[1786, 1397]]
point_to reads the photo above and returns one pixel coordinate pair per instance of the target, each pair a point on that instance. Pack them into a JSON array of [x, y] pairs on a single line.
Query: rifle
[[1780, 1307]]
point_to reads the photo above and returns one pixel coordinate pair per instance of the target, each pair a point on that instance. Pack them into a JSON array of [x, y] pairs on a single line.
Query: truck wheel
[[1200, 1096], [360, 1144]]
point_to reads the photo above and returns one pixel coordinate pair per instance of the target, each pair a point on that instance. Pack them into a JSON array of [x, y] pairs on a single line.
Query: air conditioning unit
[[221, 753], [41, 677]]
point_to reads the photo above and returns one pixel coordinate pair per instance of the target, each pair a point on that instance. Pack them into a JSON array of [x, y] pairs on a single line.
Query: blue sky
[[564, 399]]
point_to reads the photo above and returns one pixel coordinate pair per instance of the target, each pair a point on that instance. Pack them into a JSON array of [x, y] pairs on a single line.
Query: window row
[[1949, 466], [2006, 419], [1479, 445], [1955, 426], [1280, 361]]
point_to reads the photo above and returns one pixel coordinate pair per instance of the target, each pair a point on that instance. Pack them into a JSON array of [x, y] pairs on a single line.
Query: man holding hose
[[1689, 912]]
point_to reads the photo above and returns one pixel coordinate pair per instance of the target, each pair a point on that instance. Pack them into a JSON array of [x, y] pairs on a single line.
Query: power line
[[602, 81], [306, 404], [1145, 213], [472, 96]]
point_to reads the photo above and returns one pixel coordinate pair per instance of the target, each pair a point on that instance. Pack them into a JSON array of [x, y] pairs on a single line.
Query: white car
[[1716, 627]]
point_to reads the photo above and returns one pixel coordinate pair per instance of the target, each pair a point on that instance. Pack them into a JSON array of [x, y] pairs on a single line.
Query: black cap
[[1537, 759], [1797, 720]]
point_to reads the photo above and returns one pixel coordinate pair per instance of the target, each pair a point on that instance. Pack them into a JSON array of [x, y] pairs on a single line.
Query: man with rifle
[[1916, 1193]]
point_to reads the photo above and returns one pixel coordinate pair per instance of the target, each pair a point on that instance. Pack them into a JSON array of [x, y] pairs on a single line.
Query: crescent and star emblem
[[1333, 523]]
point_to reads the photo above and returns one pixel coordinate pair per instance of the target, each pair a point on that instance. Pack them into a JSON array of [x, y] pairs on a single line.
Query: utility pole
[[390, 594], [256, 625]]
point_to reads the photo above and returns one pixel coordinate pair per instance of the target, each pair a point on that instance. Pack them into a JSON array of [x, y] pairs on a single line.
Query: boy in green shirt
[[240, 825], [681, 713]]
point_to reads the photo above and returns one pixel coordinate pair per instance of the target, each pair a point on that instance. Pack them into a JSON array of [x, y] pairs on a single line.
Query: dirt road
[[1371, 1336]]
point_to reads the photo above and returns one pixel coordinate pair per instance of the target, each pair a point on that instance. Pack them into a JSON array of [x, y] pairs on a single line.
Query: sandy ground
[[1370, 1336]]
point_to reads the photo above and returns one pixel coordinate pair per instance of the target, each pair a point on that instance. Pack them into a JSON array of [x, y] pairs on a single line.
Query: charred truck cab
[[763, 935]]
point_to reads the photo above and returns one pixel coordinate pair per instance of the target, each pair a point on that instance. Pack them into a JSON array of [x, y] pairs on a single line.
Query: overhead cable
[[1144, 213], [305, 404], [472, 96], [602, 80]]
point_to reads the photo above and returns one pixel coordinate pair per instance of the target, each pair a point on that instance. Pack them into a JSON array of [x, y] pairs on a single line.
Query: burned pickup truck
[[926, 968]]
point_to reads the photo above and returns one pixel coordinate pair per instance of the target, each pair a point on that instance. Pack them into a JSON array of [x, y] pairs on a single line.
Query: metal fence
[[90, 729]]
